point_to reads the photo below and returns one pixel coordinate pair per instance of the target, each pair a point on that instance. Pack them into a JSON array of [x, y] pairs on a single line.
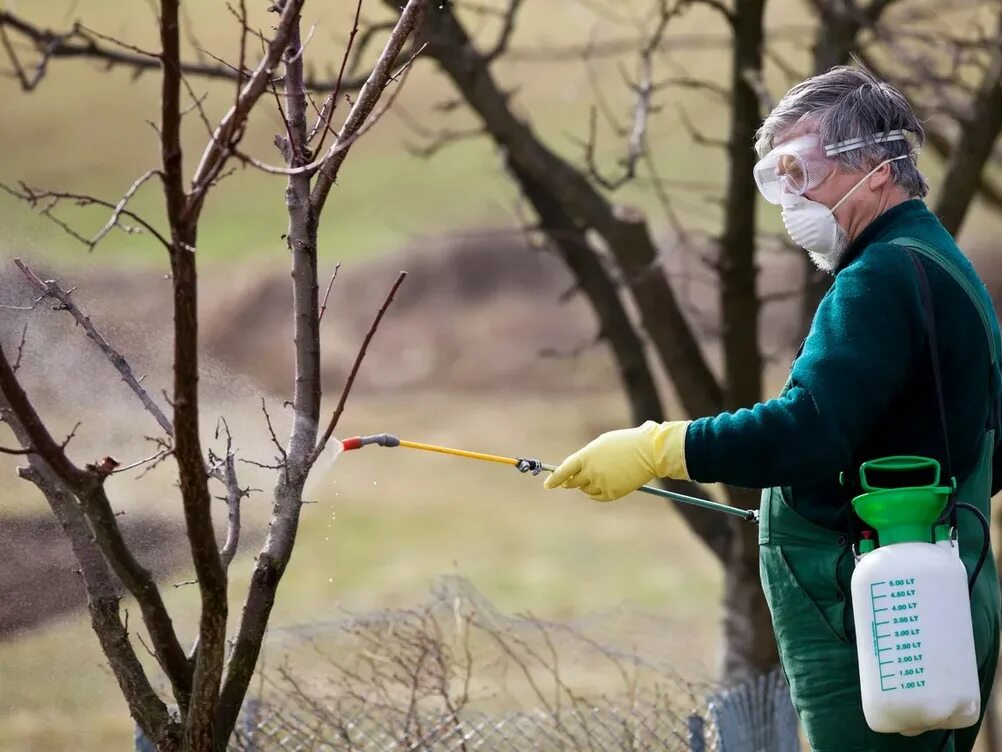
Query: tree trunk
[[749, 645], [749, 642]]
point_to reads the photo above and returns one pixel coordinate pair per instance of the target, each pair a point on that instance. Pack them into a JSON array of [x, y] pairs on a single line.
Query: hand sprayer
[[536, 467]]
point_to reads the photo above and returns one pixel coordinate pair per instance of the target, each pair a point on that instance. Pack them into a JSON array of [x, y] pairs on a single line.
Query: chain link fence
[[754, 717], [456, 674]]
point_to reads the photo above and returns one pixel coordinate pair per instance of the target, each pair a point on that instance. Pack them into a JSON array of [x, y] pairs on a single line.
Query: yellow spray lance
[[535, 467]]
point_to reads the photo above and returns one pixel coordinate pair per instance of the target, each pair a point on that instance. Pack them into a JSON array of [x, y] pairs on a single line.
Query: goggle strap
[[858, 143]]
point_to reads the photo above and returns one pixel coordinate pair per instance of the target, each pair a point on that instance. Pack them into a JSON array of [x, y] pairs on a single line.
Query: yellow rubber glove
[[619, 462]]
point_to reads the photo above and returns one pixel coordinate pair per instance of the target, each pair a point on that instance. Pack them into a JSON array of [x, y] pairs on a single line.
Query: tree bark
[[301, 239], [192, 475]]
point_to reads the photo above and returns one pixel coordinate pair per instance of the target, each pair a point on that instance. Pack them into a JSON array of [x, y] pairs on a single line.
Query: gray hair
[[850, 102]]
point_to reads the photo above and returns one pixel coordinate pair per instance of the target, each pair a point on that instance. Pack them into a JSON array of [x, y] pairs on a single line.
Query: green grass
[[386, 524]]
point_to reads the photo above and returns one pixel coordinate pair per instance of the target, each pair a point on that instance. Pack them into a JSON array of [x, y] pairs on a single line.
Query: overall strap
[[938, 257], [929, 316], [985, 312]]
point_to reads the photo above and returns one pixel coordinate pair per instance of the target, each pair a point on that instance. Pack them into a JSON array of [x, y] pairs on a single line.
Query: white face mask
[[813, 226]]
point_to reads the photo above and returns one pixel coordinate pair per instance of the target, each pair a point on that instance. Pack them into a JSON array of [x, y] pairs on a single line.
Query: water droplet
[[331, 580]]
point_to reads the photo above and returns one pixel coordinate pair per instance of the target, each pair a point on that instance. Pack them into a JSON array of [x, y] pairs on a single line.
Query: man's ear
[[881, 177]]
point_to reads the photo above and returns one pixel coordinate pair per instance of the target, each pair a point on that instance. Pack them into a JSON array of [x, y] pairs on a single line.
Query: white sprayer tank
[[917, 666], [915, 642]]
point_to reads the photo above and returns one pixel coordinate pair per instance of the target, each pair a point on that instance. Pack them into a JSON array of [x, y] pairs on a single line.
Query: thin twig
[[323, 307], [120, 206], [32, 307], [48, 200], [78, 43], [341, 145], [15, 452], [71, 436], [507, 28], [20, 348], [163, 453], [369, 96], [52, 289], [336, 416], [234, 494], [271, 430]]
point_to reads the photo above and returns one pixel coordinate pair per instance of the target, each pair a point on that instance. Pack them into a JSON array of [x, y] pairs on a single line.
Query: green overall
[[806, 571]]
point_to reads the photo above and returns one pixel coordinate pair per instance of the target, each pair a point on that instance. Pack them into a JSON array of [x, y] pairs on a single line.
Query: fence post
[[249, 722], [697, 733], [756, 715], [142, 742]]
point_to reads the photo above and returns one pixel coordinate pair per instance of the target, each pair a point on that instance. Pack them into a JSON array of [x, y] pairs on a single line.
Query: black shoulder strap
[[928, 314]]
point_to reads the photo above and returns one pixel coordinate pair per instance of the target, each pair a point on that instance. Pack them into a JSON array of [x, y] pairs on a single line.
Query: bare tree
[[207, 682], [612, 249]]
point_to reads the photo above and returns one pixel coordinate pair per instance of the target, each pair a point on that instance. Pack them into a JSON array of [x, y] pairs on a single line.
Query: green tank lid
[[901, 514]]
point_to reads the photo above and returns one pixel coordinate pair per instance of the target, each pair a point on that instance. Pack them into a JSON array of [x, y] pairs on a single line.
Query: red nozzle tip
[[353, 443], [867, 534]]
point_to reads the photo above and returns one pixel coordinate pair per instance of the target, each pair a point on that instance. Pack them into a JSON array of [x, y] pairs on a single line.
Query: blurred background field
[[461, 359]]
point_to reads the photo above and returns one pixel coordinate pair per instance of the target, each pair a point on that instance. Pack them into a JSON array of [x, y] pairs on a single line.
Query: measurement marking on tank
[[897, 647]]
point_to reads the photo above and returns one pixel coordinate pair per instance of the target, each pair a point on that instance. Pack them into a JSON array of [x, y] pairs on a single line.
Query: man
[[838, 156]]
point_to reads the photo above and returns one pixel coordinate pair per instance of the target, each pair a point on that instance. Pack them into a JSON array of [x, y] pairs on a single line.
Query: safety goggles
[[801, 164]]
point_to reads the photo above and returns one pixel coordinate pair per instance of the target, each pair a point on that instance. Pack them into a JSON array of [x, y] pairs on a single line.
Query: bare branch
[[102, 598], [51, 288], [507, 28], [120, 206], [697, 135], [623, 230], [336, 416], [20, 348], [28, 83], [274, 438], [442, 140], [40, 439], [87, 486], [160, 455], [230, 130], [47, 201], [78, 43], [753, 77], [366, 101], [331, 103], [15, 452], [720, 7], [31, 307], [335, 154], [234, 494], [330, 286]]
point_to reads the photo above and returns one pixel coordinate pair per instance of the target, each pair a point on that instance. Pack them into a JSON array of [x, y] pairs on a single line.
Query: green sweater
[[861, 386]]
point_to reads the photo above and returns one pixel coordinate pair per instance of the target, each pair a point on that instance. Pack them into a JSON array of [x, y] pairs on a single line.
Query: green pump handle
[[900, 464]]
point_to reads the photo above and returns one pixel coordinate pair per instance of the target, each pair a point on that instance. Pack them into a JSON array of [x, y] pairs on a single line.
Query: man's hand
[[619, 462]]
